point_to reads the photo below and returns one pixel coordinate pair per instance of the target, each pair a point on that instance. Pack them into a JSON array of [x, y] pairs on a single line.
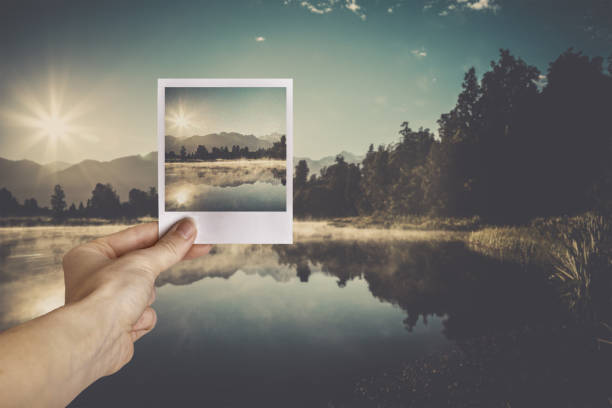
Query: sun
[[182, 196], [54, 126], [179, 120], [49, 119]]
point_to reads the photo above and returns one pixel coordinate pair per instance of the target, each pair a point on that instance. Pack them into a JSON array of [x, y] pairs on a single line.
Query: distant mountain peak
[[27, 179], [315, 166], [222, 139], [272, 137]]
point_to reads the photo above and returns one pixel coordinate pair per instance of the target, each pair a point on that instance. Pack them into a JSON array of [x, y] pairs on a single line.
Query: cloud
[[393, 7], [481, 5], [419, 53], [477, 5], [327, 6], [319, 8], [260, 39], [355, 8]]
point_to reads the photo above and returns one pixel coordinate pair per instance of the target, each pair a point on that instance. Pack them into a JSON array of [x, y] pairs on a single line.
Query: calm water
[[334, 323], [227, 185]]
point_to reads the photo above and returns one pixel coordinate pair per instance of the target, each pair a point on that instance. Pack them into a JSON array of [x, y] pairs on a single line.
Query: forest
[[104, 203], [517, 145], [277, 151]]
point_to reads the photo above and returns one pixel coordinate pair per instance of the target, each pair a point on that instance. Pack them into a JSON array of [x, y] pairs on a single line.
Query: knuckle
[[141, 262], [169, 246], [103, 247], [68, 256]]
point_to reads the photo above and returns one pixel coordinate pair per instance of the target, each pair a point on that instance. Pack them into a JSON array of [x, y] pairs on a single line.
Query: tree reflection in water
[[515, 343]]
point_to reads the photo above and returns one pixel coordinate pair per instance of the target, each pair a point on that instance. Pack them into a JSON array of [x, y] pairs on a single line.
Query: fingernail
[[186, 228]]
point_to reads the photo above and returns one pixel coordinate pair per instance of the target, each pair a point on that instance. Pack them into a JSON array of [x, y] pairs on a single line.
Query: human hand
[[112, 280]]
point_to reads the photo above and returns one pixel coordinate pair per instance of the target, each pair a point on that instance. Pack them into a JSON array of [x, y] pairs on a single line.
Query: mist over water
[[228, 185], [337, 319]]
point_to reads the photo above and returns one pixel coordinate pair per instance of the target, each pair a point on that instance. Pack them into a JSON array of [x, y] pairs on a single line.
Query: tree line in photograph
[[104, 203], [517, 145], [277, 151]]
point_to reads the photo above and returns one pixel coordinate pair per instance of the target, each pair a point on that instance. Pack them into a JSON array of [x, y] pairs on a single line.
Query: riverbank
[[40, 221]]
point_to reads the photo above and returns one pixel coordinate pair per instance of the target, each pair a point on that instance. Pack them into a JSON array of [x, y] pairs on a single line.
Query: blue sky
[[78, 79]]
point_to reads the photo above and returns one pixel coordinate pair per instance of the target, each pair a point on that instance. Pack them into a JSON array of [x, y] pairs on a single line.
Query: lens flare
[[48, 118], [179, 120]]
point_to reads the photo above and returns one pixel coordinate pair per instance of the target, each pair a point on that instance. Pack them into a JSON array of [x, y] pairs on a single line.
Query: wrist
[[52, 358], [91, 333]]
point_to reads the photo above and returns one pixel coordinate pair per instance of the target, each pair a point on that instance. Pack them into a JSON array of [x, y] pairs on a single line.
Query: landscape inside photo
[[225, 149]]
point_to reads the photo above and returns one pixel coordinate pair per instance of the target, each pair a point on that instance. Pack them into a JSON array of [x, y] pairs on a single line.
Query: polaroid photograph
[[225, 149]]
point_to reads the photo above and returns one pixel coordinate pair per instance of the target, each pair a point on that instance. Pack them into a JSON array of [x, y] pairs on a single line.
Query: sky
[[78, 80], [200, 111]]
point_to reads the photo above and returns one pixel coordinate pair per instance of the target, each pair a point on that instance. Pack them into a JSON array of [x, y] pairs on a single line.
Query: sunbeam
[[49, 120]]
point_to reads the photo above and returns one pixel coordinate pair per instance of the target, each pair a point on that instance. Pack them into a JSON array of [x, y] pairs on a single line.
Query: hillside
[[215, 140], [26, 179], [315, 166]]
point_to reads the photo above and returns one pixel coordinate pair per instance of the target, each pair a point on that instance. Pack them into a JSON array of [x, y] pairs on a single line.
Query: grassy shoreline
[[46, 221]]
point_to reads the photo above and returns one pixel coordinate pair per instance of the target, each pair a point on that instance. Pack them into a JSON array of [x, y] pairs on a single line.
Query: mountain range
[[28, 179], [223, 139], [315, 166]]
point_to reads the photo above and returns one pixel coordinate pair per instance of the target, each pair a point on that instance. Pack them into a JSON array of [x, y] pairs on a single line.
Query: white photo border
[[229, 227]]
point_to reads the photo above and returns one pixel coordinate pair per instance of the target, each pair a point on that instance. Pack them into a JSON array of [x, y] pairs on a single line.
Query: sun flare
[[180, 120], [54, 126], [49, 119], [182, 197]]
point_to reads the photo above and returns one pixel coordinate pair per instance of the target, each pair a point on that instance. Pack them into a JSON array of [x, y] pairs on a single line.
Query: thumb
[[172, 247]]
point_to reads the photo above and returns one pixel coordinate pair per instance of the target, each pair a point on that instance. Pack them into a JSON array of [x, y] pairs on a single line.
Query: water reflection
[[227, 185], [513, 341], [31, 278], [332, 323], [247, 197], [422, 278]]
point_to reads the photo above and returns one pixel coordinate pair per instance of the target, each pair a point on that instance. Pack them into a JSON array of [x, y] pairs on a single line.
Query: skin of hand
[[110, 287]]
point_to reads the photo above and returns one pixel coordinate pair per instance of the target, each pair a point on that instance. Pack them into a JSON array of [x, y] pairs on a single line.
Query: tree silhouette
[[277, 151], [104, 202], [58, 202], [301, 174], [8, 203], [201, 153]]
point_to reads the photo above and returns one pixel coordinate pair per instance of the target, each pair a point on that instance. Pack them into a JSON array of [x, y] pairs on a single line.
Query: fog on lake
[[226, 185], [343, 318]]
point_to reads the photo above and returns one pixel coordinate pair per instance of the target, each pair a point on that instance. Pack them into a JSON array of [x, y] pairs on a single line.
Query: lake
[[226, 185], [343, 318]]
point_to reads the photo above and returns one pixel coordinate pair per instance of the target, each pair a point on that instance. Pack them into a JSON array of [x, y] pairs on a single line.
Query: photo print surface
[[225, 149]]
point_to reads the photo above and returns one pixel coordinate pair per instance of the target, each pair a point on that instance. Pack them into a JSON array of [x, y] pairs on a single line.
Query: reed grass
[[574, 251]]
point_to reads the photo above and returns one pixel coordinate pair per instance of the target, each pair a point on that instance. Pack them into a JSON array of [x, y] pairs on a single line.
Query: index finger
[[136, 237]]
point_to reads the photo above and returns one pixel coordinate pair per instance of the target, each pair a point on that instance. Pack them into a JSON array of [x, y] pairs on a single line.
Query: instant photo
[[225, 148]]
